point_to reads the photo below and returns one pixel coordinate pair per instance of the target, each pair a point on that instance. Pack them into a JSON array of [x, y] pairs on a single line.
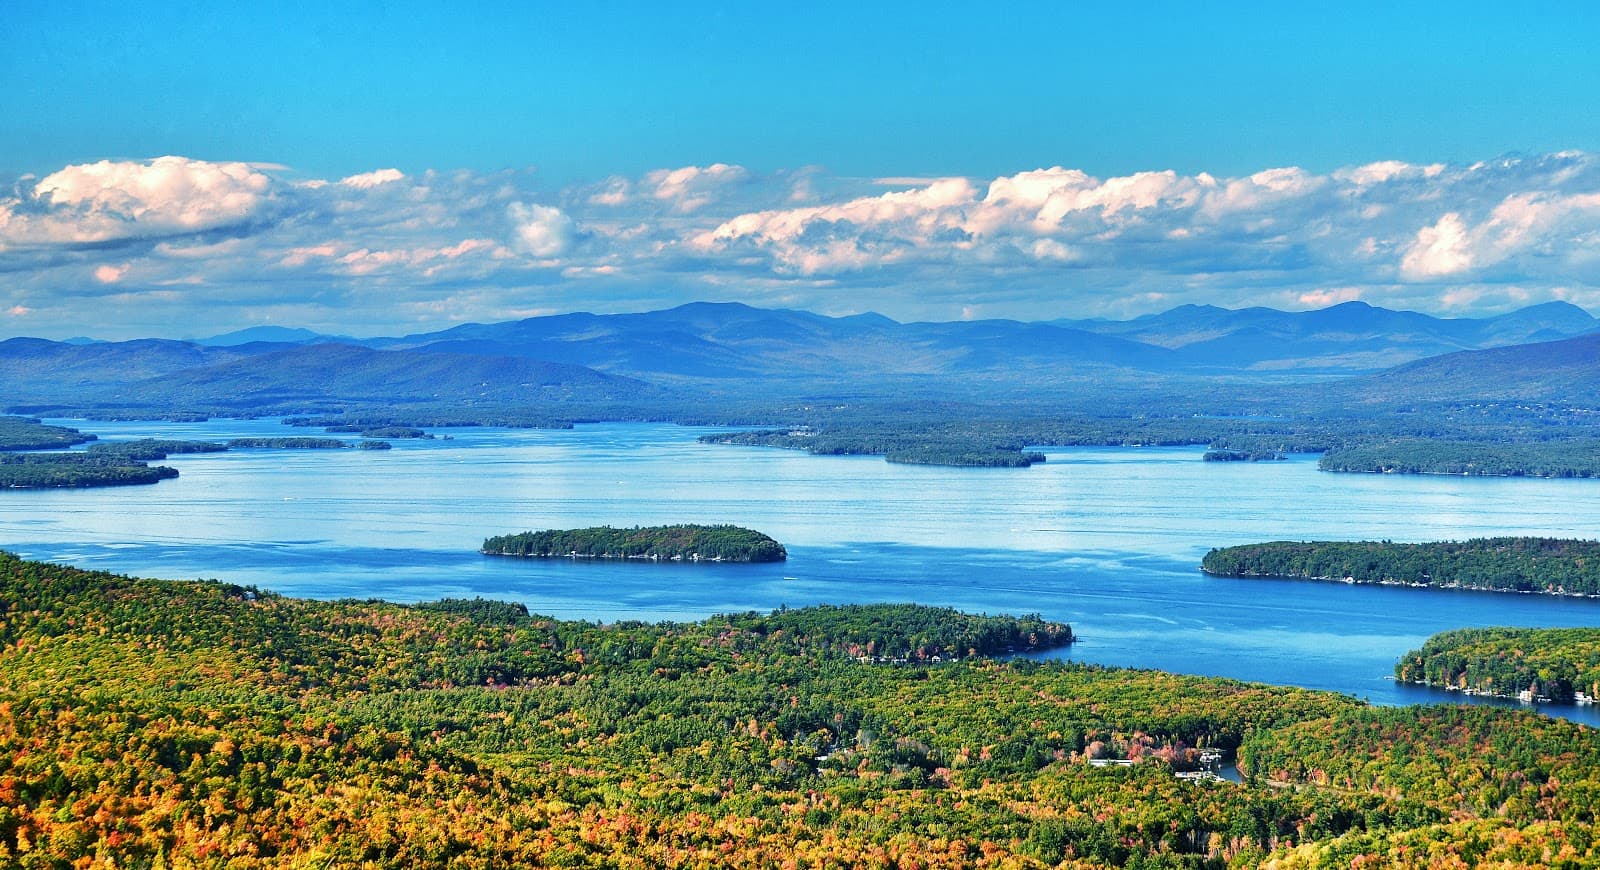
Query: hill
[[732, 340], [1566, 370], [169, 375], [36, 370], [271, 335], [150, 723], [1191, 360], [1349, 337], [333, 372]]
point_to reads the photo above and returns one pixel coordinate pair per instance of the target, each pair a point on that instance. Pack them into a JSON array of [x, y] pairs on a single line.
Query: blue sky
[[505, 126]]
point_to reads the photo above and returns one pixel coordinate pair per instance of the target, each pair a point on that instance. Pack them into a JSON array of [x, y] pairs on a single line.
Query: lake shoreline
[[1449, 587]]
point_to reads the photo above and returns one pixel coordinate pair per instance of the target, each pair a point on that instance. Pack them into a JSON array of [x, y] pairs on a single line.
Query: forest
[[696, 543], [153, 449], [29, 433], [289, 443], [1555, 664], [66, 470], [1566, 457], [1453, 438], [1549, 565], [148, 723]]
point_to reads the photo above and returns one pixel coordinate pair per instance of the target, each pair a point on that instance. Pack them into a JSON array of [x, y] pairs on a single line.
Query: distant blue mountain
[[1567, 370], [731, 340], [1349, 337], [270, 335], [733, 349]]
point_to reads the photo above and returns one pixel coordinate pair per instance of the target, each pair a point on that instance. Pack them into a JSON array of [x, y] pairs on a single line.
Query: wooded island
[[1549, 565], [678, 543]]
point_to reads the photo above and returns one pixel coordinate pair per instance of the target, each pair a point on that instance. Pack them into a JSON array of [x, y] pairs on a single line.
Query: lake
[[1108, 539]]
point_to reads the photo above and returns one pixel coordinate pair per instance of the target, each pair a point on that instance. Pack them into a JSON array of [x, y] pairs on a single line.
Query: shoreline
[[1349, 581], [1524, 700], [620, 557]]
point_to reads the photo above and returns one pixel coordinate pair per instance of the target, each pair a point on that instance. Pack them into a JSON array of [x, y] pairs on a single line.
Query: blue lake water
[[1107, 539]]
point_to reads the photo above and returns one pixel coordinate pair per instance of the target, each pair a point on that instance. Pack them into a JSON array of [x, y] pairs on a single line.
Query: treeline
[[432, 418], [290, 443], [147, 723], [907, 632], [69, 470], [963, 457], [1556, 566], [152, 449], [1500, 438], [1005, 443], [719, 543], [29, 433], [1232, 455], [1568, 457], [1554, 664], [906, 448], [379, 431]]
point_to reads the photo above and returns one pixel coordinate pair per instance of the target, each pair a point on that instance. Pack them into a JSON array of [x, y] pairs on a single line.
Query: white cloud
[[368, 180], [616, 191], [229, 239], [1439, 250], [108, 201], [1261, 192], [1329, 296], [689, 188], [541, 230]]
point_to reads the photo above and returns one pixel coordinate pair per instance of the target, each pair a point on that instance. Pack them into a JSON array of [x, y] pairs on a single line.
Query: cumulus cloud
[[692, 187], [541, 230], [1442, 249], [368, 180], [112, 200], [152, 242]]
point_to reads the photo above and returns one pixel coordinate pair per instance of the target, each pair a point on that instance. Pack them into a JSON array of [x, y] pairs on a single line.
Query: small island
[[146, 449], [1534, 665], [75, 470], [1551, 566], [904, 448], [292, 443], [678, 543]]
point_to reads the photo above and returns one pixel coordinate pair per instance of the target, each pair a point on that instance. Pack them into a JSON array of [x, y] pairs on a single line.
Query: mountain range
[[735, 349], [711, 340]]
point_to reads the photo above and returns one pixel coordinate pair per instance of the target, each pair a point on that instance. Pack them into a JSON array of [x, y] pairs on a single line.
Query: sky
[[186, 169]]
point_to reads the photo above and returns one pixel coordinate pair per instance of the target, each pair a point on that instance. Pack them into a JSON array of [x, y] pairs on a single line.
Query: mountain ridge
[[735, 351]]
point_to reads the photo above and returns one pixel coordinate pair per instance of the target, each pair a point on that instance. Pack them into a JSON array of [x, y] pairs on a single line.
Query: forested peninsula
[[30, 433], [677, 543], [1563, 457], [123, 463], [150, 723], [1546, 565], [1530, 664], [70, 470]]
